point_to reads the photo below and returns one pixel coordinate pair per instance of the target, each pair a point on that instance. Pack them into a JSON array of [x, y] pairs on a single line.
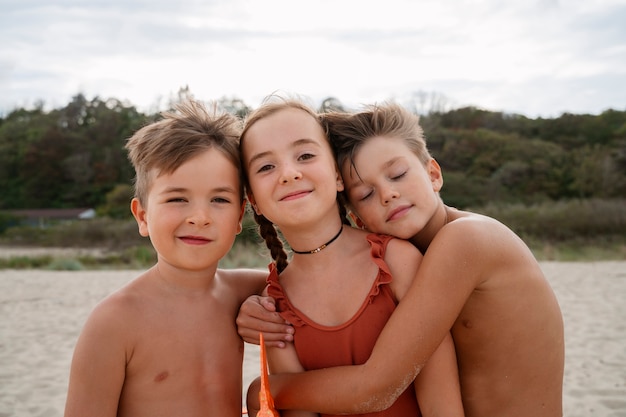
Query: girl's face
[[292, 174], [193, 214], [390, 189]]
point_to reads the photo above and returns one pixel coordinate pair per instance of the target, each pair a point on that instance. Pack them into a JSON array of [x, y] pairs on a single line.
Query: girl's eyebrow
[[295, 144]]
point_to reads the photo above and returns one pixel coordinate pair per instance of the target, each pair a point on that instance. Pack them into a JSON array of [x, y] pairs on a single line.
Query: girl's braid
[[272, 241]]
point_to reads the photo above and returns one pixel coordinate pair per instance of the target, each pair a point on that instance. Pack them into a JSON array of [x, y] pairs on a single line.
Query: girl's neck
[[309, 242]]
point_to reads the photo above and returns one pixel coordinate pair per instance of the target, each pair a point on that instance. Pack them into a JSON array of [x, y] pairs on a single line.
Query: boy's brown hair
[[180, 135]]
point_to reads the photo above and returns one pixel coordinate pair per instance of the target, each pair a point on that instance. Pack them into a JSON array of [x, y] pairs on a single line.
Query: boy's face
[[193, 214], [390, 190]]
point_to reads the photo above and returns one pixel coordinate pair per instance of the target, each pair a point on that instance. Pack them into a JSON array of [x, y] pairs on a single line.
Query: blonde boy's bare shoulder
[[475, 230], [482, 243]]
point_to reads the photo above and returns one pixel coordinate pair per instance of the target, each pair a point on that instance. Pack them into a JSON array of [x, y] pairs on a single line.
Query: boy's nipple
[[162, 376]]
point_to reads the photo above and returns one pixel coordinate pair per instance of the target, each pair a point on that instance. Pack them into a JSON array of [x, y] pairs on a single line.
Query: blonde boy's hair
[[349, 131], [163, 146]]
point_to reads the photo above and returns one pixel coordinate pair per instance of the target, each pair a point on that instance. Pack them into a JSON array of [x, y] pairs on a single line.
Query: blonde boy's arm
[[280, 360], [98, 369], [449, 272], [437, 386]]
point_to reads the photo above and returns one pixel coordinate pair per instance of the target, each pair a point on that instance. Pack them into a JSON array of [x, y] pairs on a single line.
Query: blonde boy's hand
[[258, 314]]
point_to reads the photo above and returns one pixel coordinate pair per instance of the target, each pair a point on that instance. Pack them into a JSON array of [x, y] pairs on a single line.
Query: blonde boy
[[477, 280], [166, 343]]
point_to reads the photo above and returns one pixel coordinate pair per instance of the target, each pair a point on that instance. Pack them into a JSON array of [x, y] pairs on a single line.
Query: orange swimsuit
[[350, 343]]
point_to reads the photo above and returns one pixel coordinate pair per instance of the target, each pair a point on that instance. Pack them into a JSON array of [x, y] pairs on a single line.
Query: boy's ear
[[253, 203], [435, 174], [141, 216], [243, 211]]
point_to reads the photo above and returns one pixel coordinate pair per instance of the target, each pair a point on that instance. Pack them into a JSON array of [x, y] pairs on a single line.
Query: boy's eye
[[220, 200], [176, 200], [362, 196], [398, 176]]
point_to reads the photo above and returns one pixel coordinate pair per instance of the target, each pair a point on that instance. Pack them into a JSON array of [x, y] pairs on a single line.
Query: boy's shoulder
[[244, 281], [125, 299], [470, 235]]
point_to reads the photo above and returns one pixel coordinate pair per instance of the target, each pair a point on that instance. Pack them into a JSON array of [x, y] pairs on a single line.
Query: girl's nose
[[290, 173]]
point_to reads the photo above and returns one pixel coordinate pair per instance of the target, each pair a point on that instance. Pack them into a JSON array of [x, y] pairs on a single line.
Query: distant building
[[44, 217]]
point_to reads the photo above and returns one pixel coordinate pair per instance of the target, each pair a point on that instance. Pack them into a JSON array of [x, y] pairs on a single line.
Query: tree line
[[74, 156]]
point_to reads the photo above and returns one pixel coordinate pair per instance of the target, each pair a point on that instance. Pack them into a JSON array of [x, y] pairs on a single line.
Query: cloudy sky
[[538, 58]]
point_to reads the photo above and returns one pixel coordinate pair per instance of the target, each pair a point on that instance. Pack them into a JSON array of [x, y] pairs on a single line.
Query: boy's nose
[[388, 195], [199, 217]]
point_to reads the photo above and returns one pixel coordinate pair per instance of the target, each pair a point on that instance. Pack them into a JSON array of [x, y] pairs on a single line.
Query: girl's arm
[[437, 386]]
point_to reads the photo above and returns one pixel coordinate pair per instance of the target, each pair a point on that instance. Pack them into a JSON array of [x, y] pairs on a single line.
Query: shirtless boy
[[166, 343], [477, 279]]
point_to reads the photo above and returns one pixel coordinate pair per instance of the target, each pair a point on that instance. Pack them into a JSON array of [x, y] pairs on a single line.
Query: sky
[[538, 58]]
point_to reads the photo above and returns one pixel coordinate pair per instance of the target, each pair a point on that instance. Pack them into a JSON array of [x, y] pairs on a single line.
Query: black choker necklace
[[319, 249]]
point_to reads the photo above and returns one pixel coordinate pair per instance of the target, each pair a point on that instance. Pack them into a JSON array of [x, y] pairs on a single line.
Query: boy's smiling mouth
[[398, 212], [195, 240]]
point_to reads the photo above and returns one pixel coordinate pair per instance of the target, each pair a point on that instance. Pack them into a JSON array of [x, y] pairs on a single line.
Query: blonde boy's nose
[[388, 195]]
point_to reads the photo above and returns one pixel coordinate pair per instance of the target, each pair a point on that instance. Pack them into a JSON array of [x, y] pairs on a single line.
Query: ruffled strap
[[285, 308], [378, 245]]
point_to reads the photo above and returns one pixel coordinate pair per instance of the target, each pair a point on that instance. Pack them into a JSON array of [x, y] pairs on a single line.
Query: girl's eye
[[306, 156], [264, 168]]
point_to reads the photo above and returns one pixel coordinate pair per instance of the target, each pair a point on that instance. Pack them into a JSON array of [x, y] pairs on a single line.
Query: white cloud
[[535, 57]]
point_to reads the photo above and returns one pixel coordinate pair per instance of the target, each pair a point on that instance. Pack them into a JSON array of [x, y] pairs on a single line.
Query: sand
[[42, 313]]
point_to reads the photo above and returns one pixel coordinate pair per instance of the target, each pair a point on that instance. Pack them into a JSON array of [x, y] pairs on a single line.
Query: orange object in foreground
[[265, 396]]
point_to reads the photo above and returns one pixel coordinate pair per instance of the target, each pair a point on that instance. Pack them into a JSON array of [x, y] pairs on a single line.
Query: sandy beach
[[42, 313]]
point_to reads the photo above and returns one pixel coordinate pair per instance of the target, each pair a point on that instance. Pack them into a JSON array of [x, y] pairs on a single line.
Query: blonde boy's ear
[[140, 216], [435, 174]]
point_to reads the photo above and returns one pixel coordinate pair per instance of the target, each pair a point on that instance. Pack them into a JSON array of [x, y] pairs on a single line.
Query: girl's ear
[[141, 216], [340, 186], [434, 172]]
